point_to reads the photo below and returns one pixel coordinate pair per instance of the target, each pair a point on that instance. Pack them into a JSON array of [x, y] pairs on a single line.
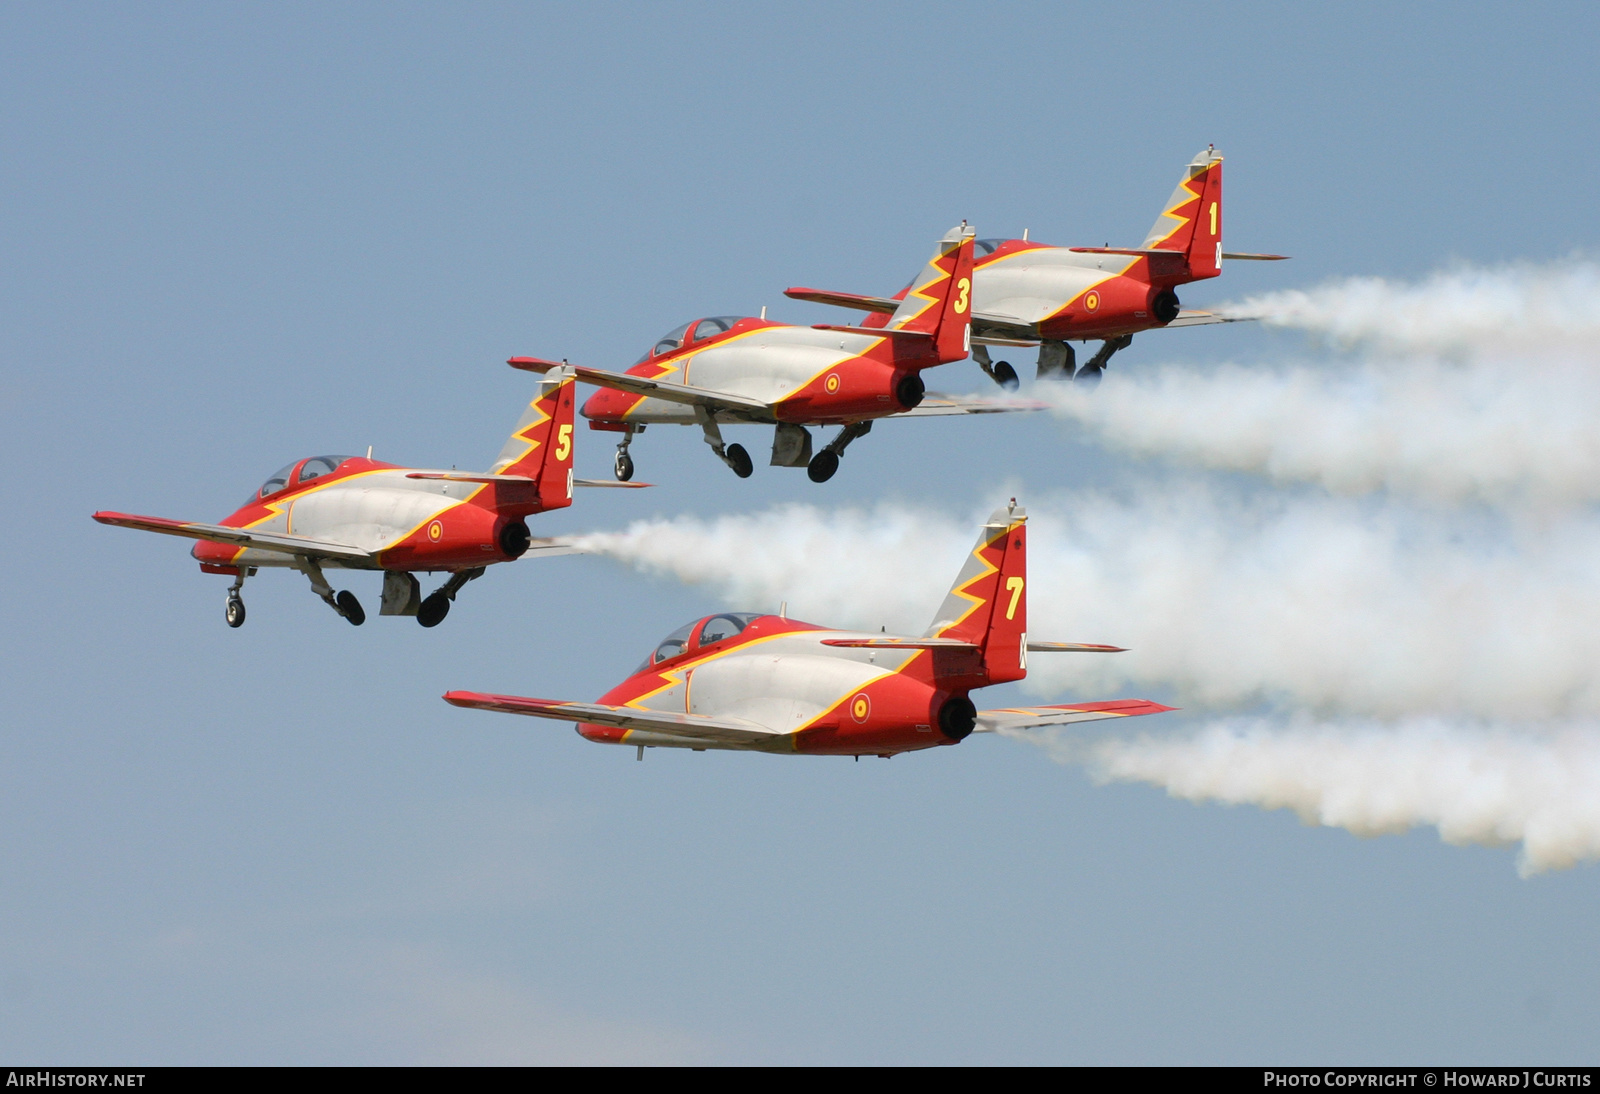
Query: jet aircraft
[[358, 513], [740, 369], [767, 683], [1026, 293]]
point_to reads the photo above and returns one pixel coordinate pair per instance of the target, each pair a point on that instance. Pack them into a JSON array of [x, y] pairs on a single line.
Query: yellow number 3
[[963, 287], [564, 442], [1014, 587]]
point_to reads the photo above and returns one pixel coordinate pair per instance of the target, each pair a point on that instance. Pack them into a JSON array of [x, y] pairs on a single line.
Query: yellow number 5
[[564, 442]]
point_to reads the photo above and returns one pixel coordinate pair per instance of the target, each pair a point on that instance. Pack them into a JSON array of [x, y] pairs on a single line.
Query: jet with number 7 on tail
[[730, 369], [1026, 293], [358, 513], [767, 683]]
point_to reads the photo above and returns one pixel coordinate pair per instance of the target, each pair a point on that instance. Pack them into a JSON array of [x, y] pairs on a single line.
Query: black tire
[[351, 607], [234, 612], [739, 460], [1088, 377], [433, 610], [1006, 376], [623, 466], [822, 466]]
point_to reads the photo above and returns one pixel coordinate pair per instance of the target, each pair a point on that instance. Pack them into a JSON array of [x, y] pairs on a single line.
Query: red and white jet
[[766, 683], [727, 369], [362, 514], [1026, 293]]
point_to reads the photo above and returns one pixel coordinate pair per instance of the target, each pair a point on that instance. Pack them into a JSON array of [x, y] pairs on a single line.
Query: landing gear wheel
[[433, 610], [822, 466], [1088, 377], [1005, 375], [623, 467], [351, 607], [739, 460], [234, 612]]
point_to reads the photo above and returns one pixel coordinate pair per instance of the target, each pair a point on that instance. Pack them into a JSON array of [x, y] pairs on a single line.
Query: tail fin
[[939, 301], [1192, 220], [988, 605], [541, 445]]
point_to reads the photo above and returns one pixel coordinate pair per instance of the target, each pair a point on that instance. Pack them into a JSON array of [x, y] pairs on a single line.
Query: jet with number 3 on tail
[[767, 683], [1026, 293], [731, 369], [357, 513]]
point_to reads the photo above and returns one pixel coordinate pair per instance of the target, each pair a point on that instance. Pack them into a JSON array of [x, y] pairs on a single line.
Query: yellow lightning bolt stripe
[[921, 291], [1194, 195], [990, 568]]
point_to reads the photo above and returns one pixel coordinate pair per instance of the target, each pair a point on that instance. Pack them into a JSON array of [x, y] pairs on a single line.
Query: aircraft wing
[[695, 726], [654, 389], [990, 721], [241, 537], [934, 405]]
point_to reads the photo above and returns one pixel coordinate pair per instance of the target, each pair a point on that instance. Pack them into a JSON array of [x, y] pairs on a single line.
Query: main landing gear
[[1001, 373], [344, 602], [733, 455], [437, 604], [826, 462]]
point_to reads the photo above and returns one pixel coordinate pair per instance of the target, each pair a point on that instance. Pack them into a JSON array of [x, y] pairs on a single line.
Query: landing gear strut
[[733, 455], [437, 604], [826, 462], [1089, 374], [1001, 373], [623, 465], [345, 603], [234, 612]]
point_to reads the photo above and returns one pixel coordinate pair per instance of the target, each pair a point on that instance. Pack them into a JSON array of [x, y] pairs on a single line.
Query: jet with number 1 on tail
[[1026, 293], [767, 683], [357, 513], [733, 369]]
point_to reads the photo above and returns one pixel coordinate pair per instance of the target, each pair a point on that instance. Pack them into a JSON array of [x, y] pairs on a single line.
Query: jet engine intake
[[957, 717], [1164, 306], [909, 390], [514, 539]]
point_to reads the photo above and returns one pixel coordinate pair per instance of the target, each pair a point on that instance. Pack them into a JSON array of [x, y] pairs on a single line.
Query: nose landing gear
[[234, 612], [623, 464]]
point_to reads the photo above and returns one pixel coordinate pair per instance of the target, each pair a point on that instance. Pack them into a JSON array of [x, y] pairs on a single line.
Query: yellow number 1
[[563, 442], [1213, 218], [1014, 587]]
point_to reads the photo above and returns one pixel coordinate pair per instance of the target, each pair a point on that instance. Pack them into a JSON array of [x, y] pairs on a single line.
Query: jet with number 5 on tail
[[357, 513], [730, 369], [1026, 293], [767, 683]]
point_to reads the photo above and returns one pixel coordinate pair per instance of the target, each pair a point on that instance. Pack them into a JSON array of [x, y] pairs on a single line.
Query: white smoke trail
[[1475, 311], [1537, 786], [1312, 602], [1486, 389]]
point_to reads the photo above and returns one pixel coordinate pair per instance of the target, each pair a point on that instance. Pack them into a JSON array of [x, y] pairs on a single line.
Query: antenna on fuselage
[[1024, 235], [783, 610], [369, 452], [763, 313]]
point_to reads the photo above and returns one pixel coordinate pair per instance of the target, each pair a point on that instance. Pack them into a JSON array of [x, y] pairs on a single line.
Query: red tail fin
[[541, 445], [1192, 220], [940, 300], [988, 604]]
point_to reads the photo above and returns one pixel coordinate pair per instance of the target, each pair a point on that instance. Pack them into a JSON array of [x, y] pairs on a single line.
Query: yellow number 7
[[1014, 587]]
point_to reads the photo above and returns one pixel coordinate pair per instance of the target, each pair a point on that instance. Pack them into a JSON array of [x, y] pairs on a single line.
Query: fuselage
[[779, 674], [410, 524], [809, 376]]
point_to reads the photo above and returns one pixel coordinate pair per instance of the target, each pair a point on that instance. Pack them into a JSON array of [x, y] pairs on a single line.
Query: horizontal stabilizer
[[886, 643], [934, 405], [991, 721], [691, 726], [462, 476], [881, 304], [610, 484], [240, 537], [1072, 647], [1241, 256], [879, 332], [1142, 252]]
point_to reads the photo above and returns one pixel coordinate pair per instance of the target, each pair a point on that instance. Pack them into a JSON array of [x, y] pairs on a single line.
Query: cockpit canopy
[[678, 337], [988, 246], [313, 468], [699, 634]]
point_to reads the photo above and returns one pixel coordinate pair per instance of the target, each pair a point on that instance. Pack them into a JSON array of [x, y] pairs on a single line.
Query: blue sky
[[238, 235]]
